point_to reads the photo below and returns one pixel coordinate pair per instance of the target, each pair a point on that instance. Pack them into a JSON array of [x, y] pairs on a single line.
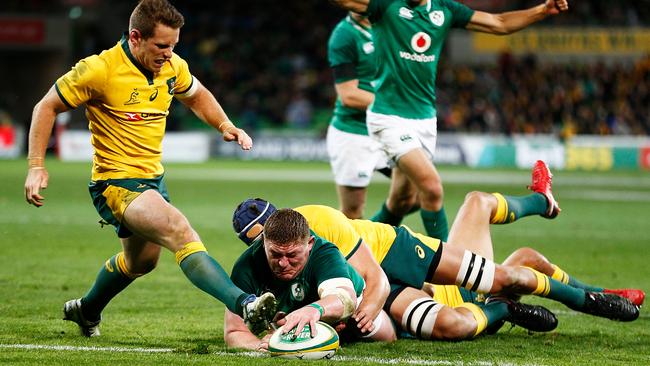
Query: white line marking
[[375, 360], [81, 348]]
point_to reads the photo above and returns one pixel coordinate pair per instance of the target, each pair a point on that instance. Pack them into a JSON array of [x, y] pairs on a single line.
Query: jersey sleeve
[[461, 13], [329, 264], [333, 226], [185, 83], [83, 82]]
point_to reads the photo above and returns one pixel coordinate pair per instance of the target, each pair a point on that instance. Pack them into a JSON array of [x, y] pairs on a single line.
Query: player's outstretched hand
[[36, 180], [299, 318], [556, 6], [364, 316], [237, 134]]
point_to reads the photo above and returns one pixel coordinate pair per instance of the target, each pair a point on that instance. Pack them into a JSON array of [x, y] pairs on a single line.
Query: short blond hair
[[149, 13]]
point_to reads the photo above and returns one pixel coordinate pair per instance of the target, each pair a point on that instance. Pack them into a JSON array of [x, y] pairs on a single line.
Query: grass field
[[52, 254]]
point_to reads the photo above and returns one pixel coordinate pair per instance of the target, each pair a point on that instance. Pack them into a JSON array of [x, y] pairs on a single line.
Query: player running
[[127, 91]]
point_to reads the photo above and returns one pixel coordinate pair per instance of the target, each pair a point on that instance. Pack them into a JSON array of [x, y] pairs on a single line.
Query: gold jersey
[[346, 234], [126, 107]]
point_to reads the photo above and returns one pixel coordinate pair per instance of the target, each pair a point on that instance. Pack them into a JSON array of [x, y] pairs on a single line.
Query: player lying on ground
[[309, 277], [393, 248]]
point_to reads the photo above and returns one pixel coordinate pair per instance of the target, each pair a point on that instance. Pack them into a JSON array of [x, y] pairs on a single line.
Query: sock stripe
[[188, 249], [560, 275], [501, 214], [479, 315], [543, 283]]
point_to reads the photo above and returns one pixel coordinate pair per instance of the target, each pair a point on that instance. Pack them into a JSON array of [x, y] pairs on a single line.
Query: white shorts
[[353, 157], [398, 136]]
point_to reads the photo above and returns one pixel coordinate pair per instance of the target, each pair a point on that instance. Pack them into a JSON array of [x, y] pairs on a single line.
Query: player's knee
[[525, 257], [452, 325], [353, 211], [477, 200]]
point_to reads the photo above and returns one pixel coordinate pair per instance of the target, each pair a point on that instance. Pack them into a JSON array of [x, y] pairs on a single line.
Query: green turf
[[51, 254]]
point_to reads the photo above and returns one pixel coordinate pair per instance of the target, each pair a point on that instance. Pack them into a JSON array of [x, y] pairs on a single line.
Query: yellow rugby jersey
[[346, 234], [126, 107]]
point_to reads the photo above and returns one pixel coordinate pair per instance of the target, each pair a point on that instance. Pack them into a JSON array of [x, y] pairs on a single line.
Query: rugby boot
[[609, 306], [531, 317], [535, 318], [72, 312], [542, 183], [259, 312], [635, 296]]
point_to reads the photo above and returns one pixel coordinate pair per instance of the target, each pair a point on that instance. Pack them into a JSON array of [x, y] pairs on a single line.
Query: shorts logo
[[405, 138], [368, 48], [297, 292], [437, 17], [420, 42], [420, 252], [406, 13], [133, 99]]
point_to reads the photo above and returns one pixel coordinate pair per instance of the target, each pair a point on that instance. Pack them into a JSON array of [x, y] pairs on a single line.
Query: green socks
[[110, 281], [205, 273], [387, 217], [512, 208], [435, 223]]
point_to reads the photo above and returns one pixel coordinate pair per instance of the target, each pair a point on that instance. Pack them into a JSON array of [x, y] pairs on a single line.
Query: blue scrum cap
[[247, 214]]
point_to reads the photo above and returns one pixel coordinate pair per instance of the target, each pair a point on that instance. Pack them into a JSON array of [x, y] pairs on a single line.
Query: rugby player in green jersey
[[455, 312], [408, 36], [127, 91], [308, 276]]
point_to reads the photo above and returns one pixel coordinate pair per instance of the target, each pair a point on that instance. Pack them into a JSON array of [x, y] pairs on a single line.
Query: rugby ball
[[304, 347]]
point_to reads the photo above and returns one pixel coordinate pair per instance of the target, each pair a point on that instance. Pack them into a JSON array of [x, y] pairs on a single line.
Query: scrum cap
[[250, 212]]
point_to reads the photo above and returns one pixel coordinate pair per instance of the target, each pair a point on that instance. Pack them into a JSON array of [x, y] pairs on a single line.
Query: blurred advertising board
[[567, 41]]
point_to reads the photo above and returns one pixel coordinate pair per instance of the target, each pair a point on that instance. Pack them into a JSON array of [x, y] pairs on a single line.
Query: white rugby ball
[[304, 347]]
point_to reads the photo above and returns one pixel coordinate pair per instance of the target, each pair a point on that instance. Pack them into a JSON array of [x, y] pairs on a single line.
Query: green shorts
[[411, 260], [111, 197]]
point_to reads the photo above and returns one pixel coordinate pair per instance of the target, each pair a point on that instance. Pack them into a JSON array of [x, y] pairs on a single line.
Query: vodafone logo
[[420, 42]]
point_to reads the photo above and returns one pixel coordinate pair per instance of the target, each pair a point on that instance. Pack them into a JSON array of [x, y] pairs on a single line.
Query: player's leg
[[529, 257], [153, 218], [402, 197], [417, 166], [352, 200], [476, 273], [353, 158]]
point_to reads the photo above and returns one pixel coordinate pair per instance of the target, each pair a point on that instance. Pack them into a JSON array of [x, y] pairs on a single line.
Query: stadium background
[[582, 73]]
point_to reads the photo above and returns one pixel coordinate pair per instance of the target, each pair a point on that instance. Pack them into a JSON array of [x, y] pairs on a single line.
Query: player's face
[[287, 260], [153, 52]]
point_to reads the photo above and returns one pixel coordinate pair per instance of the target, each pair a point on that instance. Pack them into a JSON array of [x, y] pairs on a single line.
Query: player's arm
[[203, 103], [337, 302], [353, 97], [237, 335], [357, 6], [40, 130], [376, 291], [513, 21]]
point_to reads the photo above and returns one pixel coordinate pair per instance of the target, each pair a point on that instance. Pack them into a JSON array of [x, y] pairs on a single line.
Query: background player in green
[[127, 91], [353, 154], [307, 274], [408, 37]]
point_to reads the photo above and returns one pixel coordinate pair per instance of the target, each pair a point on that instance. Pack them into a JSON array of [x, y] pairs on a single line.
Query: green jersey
[[408, 41], [253, 275], [351, 43]]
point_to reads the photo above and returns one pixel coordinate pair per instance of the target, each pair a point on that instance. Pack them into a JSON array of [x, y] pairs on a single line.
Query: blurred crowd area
[[267, 64]]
